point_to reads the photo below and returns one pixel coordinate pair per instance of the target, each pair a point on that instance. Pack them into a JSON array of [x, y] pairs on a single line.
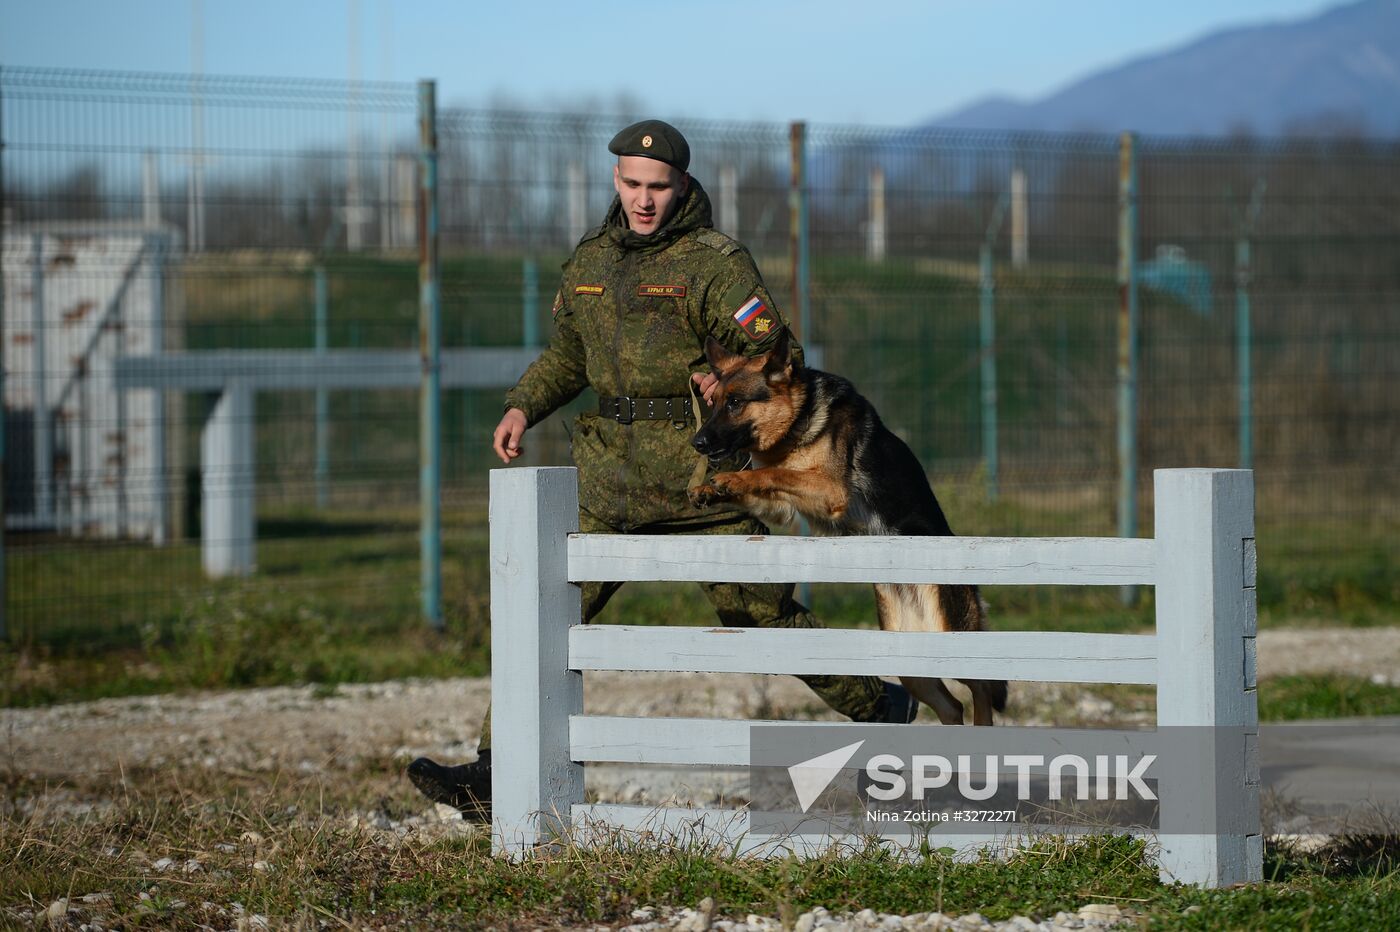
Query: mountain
[[1335, 72]]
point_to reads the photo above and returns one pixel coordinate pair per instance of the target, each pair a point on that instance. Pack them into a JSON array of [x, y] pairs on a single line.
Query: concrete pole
[[1020, 221], [729, 200], [578, 204], [875, 229], [150, 190], [229, 457]]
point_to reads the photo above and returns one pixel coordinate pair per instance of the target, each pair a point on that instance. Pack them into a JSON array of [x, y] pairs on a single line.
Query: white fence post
[[1206, 618], [230, 483], [534, 783]]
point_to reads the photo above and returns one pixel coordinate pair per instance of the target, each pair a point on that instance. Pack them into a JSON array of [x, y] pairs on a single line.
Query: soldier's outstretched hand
[[506, 440], [706, 382]]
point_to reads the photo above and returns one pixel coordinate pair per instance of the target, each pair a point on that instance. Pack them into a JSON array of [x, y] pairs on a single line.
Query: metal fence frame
[[904, 202]]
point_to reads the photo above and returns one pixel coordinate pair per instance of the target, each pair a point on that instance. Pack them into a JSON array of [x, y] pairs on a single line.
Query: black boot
[[465, 786], [900, 708]]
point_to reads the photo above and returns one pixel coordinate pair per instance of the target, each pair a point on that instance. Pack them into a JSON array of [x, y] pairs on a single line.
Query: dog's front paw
[[702, 496], [720, 488]]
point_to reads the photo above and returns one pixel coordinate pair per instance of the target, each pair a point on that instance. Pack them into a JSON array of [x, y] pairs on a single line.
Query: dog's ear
[[719, 357], [777, 367]]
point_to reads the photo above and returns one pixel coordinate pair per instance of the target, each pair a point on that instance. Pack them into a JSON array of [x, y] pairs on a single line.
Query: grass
[[296, 849], [1290, 698], [335, 599]]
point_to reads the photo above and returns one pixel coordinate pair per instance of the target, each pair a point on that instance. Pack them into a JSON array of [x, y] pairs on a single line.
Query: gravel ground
[[338, 733], [305, 729], [93, 912]]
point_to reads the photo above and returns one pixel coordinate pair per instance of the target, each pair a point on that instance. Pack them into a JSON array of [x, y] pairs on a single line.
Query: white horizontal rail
[[731, 829], [1072, 561], [718, 742], [1034, 656], [266, 370]]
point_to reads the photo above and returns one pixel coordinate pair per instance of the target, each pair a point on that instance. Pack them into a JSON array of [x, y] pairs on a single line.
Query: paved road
[[1340, 772]]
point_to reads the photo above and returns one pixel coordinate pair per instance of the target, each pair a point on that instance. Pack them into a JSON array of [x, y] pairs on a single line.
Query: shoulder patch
[[594, 290], [756, 318], [558, 302], [718, 241]]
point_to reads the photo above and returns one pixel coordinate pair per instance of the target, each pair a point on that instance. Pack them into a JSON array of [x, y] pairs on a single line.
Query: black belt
[[626, 409]]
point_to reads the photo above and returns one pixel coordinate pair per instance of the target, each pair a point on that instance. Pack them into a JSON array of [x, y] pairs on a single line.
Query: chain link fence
[[969, 283]]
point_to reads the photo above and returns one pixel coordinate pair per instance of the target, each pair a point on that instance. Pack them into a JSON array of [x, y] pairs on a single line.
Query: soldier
[[639, 297]]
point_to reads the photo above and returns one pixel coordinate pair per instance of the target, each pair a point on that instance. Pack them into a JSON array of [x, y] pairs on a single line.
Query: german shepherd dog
[[820, 451]]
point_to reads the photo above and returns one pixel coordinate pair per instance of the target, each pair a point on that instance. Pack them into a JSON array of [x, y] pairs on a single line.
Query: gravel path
[[303, 730]]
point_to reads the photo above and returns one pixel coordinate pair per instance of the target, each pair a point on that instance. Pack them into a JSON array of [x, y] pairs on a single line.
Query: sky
[[880, 62]]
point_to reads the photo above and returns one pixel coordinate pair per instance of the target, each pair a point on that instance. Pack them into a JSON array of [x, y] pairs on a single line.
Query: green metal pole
[[4, 591], [1242, 351], [323, 456], [987, 322], [798, 237], [988, 333], [429, 348], [1127, 344], [530, 303], [797, 208], [1244, 338], [355, 343]]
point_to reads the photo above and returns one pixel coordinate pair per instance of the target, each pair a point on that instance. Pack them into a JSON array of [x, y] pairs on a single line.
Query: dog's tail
[[967, 609]]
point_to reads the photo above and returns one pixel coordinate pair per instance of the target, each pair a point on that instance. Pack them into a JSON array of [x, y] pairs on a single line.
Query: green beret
[[653, 139]]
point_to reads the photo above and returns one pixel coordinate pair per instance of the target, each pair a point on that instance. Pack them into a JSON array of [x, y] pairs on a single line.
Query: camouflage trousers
[[741, 605]]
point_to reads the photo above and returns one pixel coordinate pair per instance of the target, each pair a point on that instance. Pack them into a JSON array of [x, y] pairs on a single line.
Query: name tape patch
[[661, 291], [755, 318], [594, 290]]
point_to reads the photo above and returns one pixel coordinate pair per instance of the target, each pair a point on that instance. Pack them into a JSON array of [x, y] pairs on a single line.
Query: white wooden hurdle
[[1202, 656]]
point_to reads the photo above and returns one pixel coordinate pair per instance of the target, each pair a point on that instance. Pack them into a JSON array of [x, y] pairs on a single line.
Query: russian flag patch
[[755, 318]]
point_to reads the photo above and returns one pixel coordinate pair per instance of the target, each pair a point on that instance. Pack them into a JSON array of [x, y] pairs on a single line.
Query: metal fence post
[[1127, 343], [43, 424], [987, 330], [429, 348], [159, 484], [1206, 623], [798, 233], [534, 781], [4, 580], [323, 456], [1244, 326], [530, 303], [798, 242]]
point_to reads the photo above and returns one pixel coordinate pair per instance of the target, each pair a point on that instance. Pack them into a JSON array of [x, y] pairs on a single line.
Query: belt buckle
[[624, 409]]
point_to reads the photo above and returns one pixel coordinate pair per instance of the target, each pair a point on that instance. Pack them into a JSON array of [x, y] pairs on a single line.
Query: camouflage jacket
[[631, 319]]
